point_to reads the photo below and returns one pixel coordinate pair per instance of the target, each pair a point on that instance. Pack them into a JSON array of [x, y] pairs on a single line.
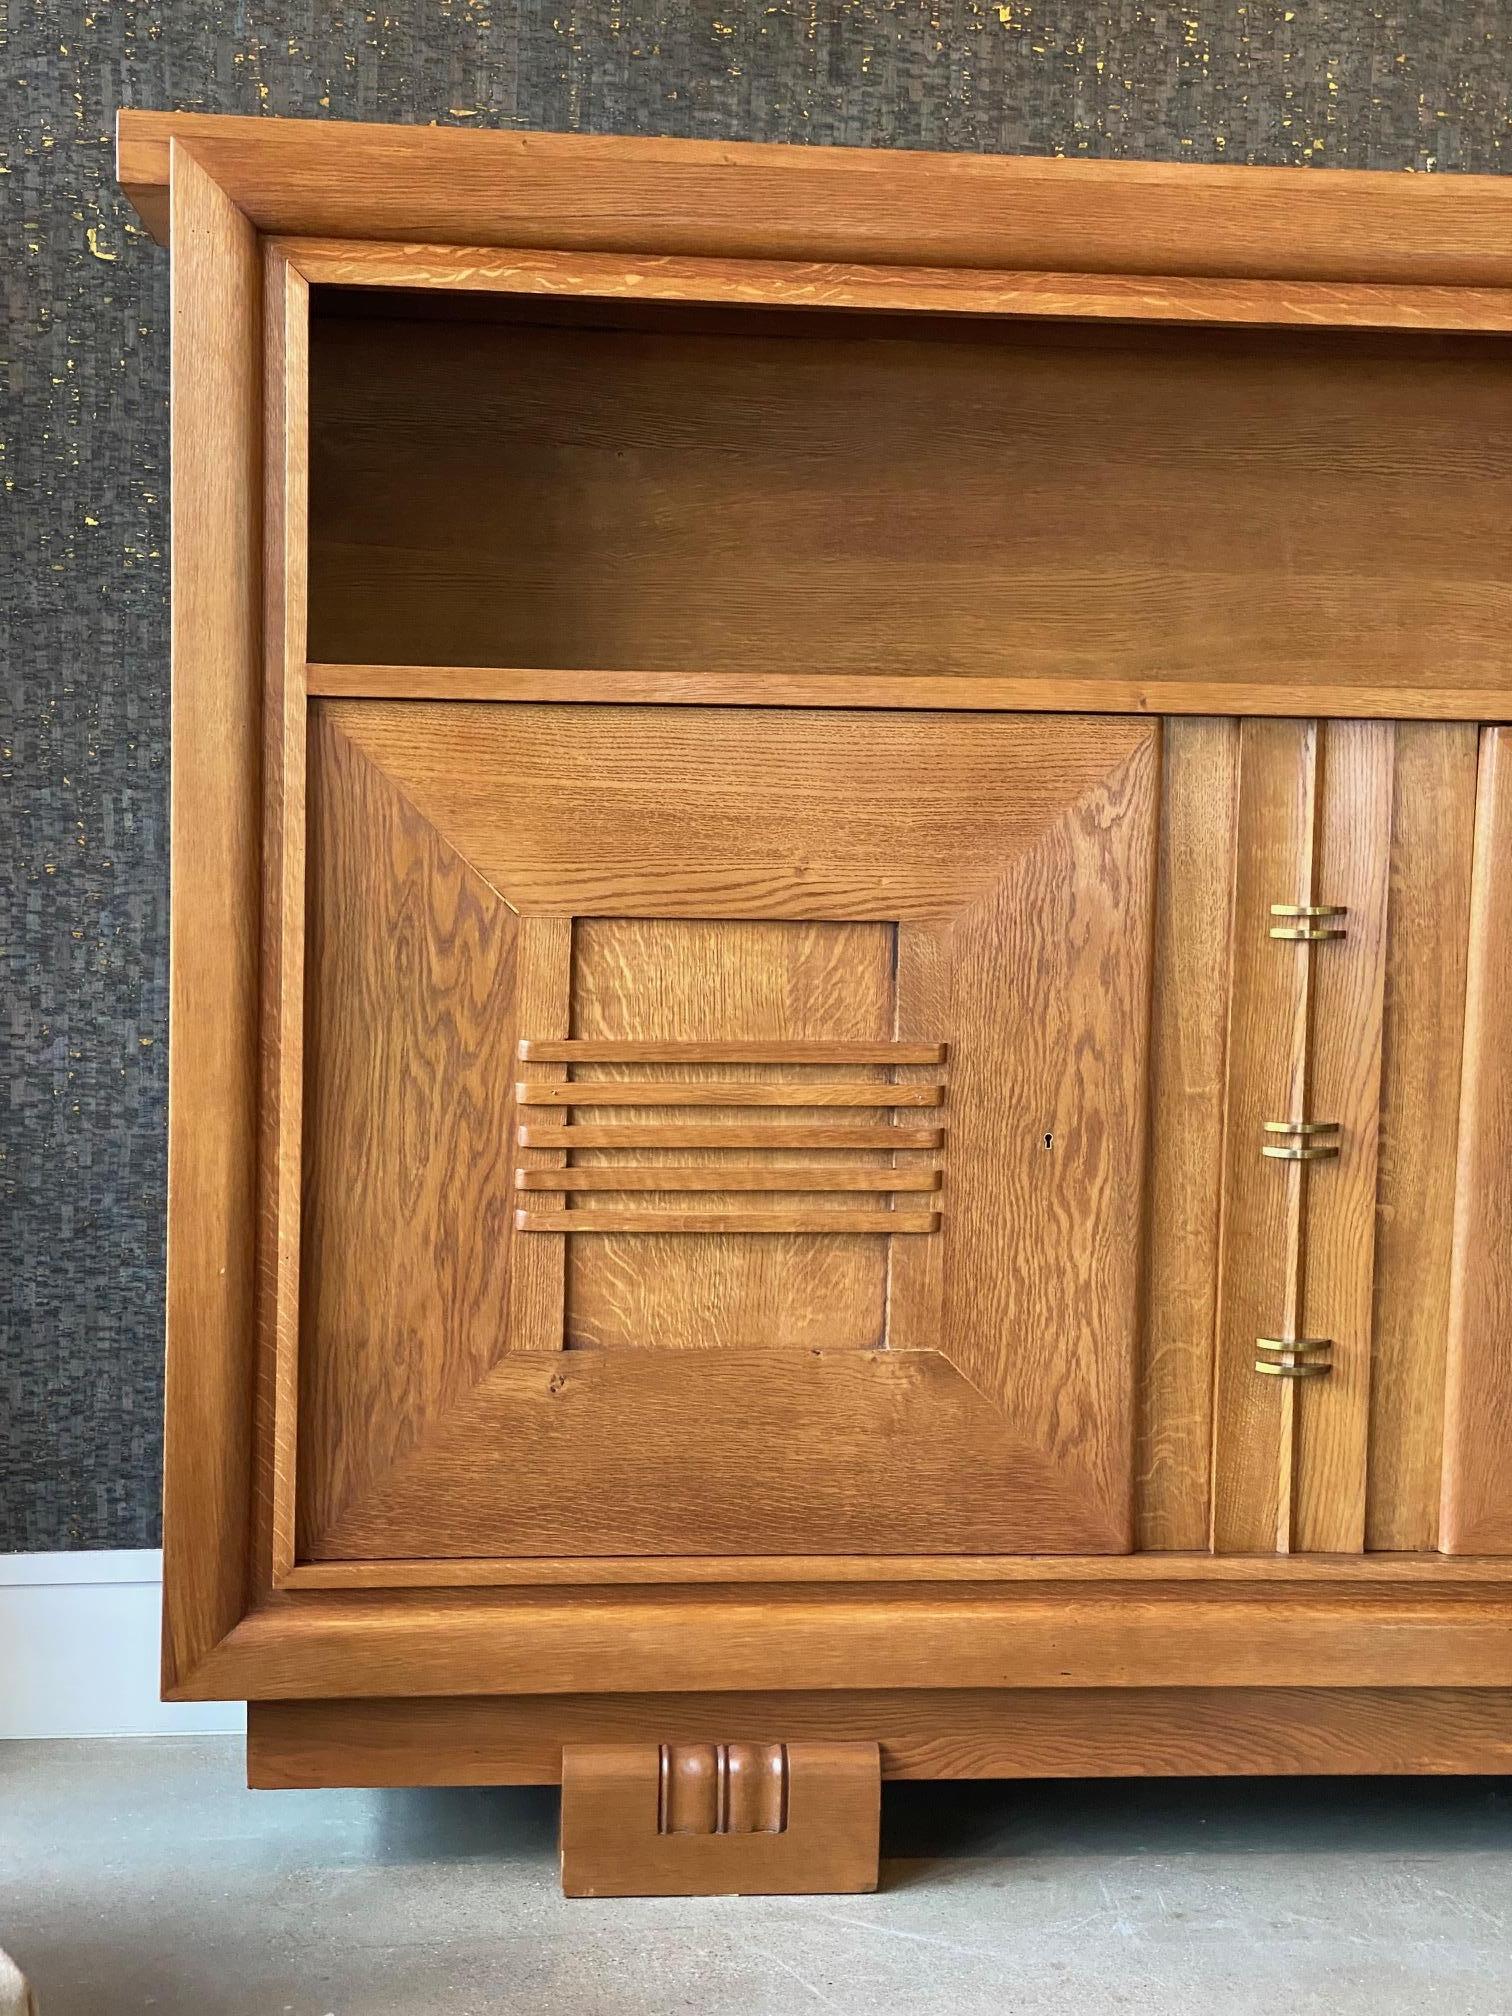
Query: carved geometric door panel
[[723, 1130]]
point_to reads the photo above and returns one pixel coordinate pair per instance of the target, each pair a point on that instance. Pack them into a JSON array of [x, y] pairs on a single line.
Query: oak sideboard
[[841, 1045]]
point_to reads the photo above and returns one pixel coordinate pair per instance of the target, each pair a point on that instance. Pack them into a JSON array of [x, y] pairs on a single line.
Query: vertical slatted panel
[[1260, 1238], [1432, 849], [1477, 1503], [1189, 1033], [1332, 1415]]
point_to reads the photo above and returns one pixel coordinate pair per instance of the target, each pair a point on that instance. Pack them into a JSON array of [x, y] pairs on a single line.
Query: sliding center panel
[[723, 1130]]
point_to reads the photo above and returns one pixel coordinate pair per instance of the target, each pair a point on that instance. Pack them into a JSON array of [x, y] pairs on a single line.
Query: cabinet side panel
[[212, 1072], [1477, 1505], [1432, 847], [1188, 1043], [281, 1039]]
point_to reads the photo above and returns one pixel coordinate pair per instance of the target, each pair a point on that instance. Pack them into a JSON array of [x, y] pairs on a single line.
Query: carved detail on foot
[[719, 1819]]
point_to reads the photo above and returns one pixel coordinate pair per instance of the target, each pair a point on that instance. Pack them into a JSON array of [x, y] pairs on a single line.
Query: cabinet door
[[1329, 1197], [723, 1130]]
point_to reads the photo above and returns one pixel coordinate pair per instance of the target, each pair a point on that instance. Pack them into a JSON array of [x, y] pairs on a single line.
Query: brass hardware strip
[[1303, 1141]]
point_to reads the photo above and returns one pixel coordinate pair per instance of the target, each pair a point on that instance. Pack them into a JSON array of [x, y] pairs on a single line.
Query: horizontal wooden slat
[[742, 1092], [910, 290], [669, 1178], [1054, 1732], [566, 1641], [1404, 1573], [667, 1134], [604, 1050], [885, 1222], [1068, 695]]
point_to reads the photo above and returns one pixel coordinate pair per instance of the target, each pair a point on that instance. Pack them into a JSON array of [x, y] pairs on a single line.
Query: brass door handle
[[1307, 923], [1294, 1357], [1314, 1140]]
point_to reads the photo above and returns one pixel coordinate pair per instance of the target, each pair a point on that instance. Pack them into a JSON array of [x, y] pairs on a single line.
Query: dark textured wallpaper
[[1421, 85]]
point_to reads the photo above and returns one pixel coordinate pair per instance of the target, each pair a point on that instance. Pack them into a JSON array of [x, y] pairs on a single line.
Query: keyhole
[[1049, 1140]]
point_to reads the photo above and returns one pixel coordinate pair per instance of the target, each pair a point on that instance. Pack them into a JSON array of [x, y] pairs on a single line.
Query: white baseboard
[[79, 1650]]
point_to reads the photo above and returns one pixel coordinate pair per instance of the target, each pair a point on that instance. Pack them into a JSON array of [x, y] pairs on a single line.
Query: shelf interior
[[790, 493]]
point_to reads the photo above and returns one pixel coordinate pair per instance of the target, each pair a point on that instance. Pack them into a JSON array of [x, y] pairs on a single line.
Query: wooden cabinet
[[842, 1063]]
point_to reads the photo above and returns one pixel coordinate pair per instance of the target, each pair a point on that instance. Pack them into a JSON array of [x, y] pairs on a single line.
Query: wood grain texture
[[1049, 980], [699, 981], [1316, 695], [837, 1450], [1348, 991], [592, 812], [1121, 297], [707, 198], [1432, 848], [922, 1733], [286, 313], [1189, 1036], [1477, 1503], [408, 1192], [213, 1117], [687, 501], [325, 1643], [1261, 1259]]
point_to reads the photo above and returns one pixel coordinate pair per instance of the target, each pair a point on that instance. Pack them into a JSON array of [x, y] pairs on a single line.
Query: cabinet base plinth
[[719, 1819], [1071, 1732]]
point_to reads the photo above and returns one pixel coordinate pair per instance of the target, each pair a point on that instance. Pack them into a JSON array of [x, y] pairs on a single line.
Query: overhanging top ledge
[[740, 200]]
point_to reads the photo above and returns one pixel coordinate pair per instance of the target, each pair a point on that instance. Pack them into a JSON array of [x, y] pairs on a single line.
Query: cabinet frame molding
[[241, 202]]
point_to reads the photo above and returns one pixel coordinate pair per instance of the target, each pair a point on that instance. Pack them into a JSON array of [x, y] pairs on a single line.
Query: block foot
[[719, 1819]]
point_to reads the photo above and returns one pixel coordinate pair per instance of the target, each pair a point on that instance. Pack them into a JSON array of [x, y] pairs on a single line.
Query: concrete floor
[[141, 1875]]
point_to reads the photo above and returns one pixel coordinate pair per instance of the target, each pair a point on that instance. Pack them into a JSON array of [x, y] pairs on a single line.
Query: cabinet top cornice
[[451, 185]]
